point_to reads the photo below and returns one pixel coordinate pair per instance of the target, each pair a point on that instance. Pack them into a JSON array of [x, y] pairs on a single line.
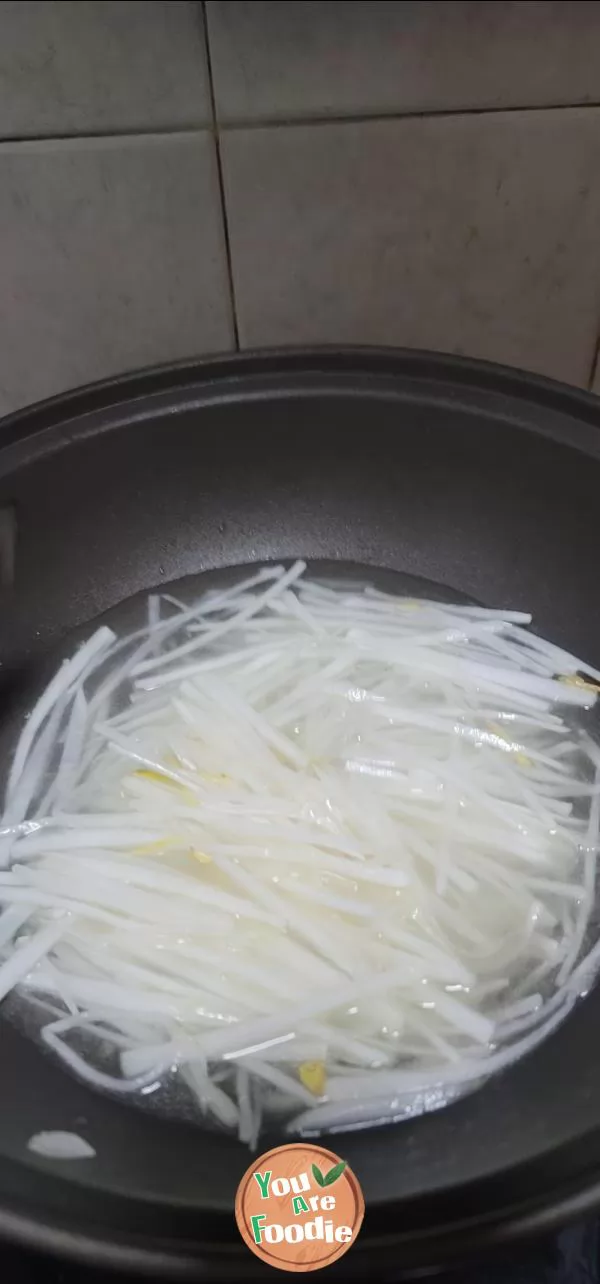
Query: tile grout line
[[285, 122], [379, 117], [100, 135], [595, 366], [222, 197]]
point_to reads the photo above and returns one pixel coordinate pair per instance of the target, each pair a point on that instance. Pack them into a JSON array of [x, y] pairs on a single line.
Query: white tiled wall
[[310, 59], [174, 175], [442, 232], [111, 257], [100, 66]]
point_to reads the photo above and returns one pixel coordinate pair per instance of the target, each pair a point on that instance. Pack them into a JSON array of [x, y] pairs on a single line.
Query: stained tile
[[111, 258], [274, 61], [473, 234], [98, 65]]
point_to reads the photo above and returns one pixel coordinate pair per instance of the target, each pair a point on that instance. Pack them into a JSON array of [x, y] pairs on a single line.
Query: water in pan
[[437, 915]]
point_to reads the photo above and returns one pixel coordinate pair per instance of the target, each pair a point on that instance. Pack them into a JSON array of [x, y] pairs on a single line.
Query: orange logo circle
[[299, 1207]]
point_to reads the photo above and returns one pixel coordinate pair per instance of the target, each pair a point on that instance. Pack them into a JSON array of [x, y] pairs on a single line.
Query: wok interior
[[458, 488]]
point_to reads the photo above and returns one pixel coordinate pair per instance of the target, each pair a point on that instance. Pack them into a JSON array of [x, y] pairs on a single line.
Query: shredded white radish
[[316, 853], [60, 1145]]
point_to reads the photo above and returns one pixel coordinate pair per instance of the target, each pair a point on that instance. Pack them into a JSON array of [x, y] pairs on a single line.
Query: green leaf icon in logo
[[318, 1176], [334, 1173]]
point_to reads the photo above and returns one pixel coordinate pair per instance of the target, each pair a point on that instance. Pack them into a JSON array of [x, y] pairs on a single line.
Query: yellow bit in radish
[[312, 1074]]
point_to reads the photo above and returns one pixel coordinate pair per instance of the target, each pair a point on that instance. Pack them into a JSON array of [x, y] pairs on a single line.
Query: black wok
[[482, 480]]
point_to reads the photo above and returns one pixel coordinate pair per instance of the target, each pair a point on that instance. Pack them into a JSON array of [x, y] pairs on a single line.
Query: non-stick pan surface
[[482, 480]]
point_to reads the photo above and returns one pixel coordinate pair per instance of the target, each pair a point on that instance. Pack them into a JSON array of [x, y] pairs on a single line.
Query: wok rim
[[417, 363], [442, 1244], [448, 1245]]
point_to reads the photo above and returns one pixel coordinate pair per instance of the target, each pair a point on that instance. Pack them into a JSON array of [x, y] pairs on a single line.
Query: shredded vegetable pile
[[318, 854]]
